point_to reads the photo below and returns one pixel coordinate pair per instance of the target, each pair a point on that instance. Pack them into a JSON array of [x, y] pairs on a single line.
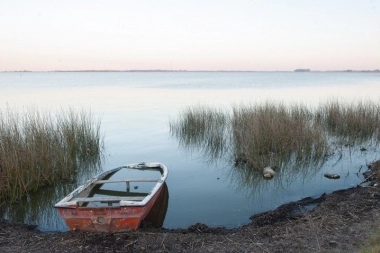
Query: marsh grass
[[38, 149], [372, 244], [204, 128], [275, 134], [271, 134], [38, 205]]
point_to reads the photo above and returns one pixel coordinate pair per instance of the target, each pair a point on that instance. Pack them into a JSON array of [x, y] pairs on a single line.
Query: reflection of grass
[[252, 181], [274, 134], [36, 207], [39, 149]]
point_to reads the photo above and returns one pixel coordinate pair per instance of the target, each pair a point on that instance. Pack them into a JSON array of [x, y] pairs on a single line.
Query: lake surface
[[136, 108]]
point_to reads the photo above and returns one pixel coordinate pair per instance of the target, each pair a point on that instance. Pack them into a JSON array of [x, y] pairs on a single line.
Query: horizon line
[[181, 70]]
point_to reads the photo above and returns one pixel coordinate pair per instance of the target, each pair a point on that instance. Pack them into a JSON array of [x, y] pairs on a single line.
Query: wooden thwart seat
[[113, 193], [127, 180], [108, 199]]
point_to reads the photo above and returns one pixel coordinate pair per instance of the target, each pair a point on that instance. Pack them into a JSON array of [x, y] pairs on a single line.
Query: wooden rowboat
[[108, 202]]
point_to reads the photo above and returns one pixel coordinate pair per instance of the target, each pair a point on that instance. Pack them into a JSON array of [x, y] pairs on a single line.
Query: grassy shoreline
[[273, 134], [38, 149]]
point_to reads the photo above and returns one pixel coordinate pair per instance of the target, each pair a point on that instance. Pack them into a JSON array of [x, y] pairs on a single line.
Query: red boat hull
[[105, 219]]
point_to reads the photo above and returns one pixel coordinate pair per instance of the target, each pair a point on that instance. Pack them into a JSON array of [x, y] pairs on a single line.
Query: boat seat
[[108, 199], [113, 193], [128, 180]]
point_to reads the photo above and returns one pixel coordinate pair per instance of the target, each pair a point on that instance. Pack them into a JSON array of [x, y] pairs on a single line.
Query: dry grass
[[372, 244], [202, 127], [38, 149], [352, 122], [271, 134]]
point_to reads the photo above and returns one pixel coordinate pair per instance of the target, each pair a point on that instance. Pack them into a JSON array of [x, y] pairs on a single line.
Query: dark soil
[[339, 223]]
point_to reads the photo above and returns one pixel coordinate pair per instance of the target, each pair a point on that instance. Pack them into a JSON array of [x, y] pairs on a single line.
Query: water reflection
[[157, 214], [252, 183], [156, 97], [299, 141], [38, 208]]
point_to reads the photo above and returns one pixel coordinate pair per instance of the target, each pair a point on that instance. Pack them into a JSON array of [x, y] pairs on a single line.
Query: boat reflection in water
[[157, 214]]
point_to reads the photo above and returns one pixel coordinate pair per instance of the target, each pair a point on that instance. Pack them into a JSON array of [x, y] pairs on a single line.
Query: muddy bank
[[339, 223]]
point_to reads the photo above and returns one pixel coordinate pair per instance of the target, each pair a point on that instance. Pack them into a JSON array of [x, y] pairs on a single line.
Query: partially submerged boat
[[108, 202]]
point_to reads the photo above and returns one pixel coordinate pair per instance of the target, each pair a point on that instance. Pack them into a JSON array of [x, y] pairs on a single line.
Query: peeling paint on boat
[[126, 215]]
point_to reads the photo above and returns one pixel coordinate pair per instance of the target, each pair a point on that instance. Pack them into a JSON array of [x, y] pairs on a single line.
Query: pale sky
[[265, 35]]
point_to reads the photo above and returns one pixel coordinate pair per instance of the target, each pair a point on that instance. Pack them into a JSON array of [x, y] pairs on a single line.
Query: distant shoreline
[[163, 70]]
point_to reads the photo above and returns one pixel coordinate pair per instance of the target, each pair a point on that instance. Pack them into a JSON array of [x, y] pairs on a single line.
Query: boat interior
[[110, 190]]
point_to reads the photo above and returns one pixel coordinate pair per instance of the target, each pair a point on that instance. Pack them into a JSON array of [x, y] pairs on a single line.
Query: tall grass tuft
[[204, 128], [358, 121], [271, 134], [274, 134], [38, 149]]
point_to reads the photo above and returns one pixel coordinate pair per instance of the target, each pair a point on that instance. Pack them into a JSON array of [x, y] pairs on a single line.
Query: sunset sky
[[265, 35]]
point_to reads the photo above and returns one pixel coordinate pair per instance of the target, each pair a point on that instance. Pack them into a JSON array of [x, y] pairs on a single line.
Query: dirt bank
[[339, 223]]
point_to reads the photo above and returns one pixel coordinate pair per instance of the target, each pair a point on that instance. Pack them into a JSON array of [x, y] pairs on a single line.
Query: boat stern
[[102, 219]]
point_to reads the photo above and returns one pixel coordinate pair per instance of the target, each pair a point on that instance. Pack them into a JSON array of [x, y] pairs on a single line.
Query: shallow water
[[136, 108]]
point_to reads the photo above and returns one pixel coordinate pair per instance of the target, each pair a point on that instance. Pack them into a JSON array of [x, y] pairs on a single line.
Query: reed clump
[[273, 133], [38, 149], [202, 127], [353, 122]]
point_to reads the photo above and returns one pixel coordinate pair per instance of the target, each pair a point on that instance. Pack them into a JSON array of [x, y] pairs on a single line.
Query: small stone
[[268, 172], [332, 176]]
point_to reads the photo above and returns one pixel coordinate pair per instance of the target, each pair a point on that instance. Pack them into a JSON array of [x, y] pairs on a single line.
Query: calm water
[[136, 108]]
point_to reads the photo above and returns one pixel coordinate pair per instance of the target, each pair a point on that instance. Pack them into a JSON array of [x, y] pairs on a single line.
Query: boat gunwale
[[70, 202]]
